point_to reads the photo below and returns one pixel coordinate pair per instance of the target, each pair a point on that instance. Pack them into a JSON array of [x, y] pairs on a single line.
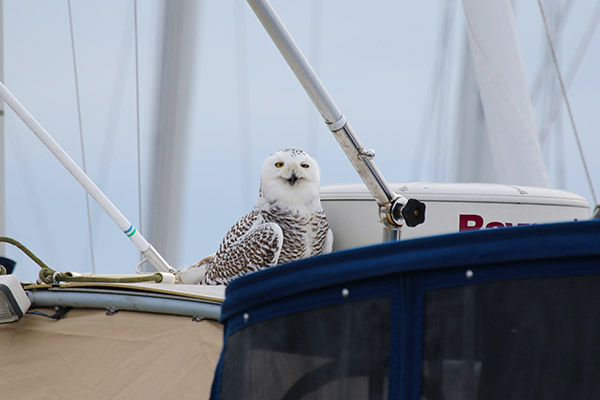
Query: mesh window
[[334, 352], [522, 339]]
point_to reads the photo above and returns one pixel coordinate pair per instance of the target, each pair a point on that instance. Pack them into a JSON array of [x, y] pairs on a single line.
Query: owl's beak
[[292, 179]]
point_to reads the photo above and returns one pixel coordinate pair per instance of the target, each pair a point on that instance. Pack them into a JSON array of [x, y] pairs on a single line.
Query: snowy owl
[[287, 223]]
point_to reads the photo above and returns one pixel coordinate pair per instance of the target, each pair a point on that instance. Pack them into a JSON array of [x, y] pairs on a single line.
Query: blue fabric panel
[[318, 298], [425, 281], [439, 252]]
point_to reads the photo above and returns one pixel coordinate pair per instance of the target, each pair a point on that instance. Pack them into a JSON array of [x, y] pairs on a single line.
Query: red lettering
[[468, 222]]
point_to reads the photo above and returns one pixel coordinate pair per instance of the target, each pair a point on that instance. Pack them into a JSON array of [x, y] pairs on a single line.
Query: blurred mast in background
[[473, 151], [171, 130], [2, 150], [516, 151]]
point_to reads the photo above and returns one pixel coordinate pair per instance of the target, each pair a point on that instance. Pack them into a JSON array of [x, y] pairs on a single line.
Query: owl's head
[[290, 177]]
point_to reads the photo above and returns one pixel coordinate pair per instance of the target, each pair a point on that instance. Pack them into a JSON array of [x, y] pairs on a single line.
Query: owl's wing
[[323, 242], [328, 245], [251, 244], [240, 229], [195, 272]]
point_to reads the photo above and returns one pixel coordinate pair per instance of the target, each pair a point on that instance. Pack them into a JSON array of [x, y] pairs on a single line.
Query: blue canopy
[[465, 250], [477, 286]]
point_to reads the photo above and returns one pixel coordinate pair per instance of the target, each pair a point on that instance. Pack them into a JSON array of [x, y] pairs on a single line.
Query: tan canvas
[[90, 355]]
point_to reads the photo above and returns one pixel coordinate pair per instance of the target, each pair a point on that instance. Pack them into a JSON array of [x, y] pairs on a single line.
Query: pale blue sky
[[375, 58]]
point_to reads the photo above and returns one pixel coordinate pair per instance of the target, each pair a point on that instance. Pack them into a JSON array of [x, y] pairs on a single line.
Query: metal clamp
[[337, 125]]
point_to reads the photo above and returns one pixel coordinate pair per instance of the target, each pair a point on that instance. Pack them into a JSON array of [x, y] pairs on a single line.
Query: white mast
[[473, 151], [516, 151], [178, 54]]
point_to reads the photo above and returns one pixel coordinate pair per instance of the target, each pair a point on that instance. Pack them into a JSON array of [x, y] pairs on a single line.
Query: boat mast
[[171, 136], [473, 151], [517, 154], [394, 209]]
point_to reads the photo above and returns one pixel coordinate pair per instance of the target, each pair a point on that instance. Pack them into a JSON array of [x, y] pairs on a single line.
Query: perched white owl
[[287, 223]]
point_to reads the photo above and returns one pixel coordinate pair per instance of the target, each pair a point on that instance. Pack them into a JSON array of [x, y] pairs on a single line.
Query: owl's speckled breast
[[303, 234]]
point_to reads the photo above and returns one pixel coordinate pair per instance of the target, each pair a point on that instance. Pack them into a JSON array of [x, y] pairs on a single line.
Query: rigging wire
[[32, 195], [580, 52], [431, 117], [549, 134], [553, 112], [79, 120], [315, 32], [562, 14], [567, 103], [548, 87], [137, 116], [444, 95], [109, 137], [244, 122]]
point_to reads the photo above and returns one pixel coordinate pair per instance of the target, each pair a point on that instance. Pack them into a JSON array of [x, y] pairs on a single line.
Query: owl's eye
[[279, 164], [304, 165]]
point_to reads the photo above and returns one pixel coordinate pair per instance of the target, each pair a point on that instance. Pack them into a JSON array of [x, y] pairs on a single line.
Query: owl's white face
[[290, 177]]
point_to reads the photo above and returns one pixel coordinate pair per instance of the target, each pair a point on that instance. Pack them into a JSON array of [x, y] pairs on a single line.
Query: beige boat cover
[[90, 355]]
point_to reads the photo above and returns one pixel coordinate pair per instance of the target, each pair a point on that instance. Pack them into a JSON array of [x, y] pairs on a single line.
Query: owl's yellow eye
[[304, 165], [279, 164]]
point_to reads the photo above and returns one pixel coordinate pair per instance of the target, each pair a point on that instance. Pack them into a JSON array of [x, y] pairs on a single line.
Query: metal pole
[[149, 252], [361, 159]]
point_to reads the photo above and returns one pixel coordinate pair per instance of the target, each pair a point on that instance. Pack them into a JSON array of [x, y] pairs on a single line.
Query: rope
[[25, 250], [50, 276], [564, 93], [79, 120], [104, 279], [137, 267]]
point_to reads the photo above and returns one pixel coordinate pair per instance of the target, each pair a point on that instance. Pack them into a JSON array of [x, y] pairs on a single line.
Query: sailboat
[[405, 319]]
